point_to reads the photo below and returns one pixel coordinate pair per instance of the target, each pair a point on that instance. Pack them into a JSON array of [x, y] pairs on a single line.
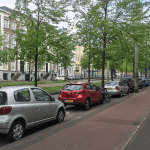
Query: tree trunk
[[36, 60], [65, 73], [29, 71], [126, 70], [89, 69]]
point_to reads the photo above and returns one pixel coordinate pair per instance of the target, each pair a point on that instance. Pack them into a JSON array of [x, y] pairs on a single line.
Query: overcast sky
[[11, 4]]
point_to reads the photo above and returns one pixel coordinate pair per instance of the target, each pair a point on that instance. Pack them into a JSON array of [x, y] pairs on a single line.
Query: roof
[[6, 9], [15, 88]]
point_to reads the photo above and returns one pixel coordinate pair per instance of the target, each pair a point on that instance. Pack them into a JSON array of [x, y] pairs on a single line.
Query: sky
[[11, 4]]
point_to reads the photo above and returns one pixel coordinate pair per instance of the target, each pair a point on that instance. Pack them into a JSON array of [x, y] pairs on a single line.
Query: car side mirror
[[52, 98]]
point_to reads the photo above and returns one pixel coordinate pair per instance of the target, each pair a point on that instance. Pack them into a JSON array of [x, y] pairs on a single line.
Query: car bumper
[[4, 127], [113, 93], [73, 103]]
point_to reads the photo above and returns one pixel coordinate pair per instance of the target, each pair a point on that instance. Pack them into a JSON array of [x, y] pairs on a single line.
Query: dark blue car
[[145, 80]]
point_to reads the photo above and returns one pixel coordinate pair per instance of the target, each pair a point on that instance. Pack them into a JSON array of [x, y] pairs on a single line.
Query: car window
[[110, 83], [93, 87], [88, 87], [120, 83], [22, 95], [73, 87], [40, 95], [125, 79], [3, 98]]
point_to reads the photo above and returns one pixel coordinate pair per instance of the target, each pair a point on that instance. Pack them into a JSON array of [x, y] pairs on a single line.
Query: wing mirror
[[52, 98]]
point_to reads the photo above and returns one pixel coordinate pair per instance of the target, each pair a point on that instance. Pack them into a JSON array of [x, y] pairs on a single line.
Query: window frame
[[5, 24], [24, 100], [43, 92]]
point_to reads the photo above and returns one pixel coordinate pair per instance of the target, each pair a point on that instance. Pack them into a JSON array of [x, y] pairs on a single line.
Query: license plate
[[68, 100], [109, 88]]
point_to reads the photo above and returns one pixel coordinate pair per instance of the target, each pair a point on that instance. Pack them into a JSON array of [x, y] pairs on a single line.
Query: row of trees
[[110, 30], [38, 39]]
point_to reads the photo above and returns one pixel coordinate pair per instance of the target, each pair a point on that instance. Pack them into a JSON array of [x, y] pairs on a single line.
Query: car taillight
[[79, 92], [5, 110], [116, 87], [141, 80], [132, 83]]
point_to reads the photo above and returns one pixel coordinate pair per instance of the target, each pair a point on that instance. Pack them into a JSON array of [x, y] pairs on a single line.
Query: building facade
[[18, 69]]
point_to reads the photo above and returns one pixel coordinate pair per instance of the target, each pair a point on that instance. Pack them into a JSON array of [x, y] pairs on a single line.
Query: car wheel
[[120, 94], [60, 116], [16, 131], [87, 104], [128, 92]]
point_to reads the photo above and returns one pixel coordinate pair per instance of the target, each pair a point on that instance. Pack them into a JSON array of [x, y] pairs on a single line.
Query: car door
[[45, 108], [90, 92], [125, 87], [98, 93]]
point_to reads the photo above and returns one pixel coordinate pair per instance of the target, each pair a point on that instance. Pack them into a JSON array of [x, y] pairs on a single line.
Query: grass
[[58, 88], [47, 89], [30, 83], [52, 89]]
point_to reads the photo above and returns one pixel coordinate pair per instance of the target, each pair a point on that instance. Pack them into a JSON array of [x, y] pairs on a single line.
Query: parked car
[[60, 78], [83, 94], [24, 107], [130, 82], [141, 83], [145, 80], [116, 88]]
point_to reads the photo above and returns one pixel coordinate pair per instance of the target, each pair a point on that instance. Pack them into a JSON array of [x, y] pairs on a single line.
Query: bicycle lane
[[110, 129]]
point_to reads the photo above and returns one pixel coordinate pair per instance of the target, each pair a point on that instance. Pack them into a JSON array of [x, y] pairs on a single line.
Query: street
[[105, 126]]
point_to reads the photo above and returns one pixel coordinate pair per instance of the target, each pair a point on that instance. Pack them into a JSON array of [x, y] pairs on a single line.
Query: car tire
[[120, 94], [60, 116], [87, 104], [17, 127], [128, 92]]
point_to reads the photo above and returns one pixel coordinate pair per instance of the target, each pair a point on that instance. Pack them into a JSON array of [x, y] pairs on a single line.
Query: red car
[[83, 94]]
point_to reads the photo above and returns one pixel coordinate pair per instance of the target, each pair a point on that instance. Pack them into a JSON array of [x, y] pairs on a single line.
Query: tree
[[38, 33], [113, 24], [64, 45]]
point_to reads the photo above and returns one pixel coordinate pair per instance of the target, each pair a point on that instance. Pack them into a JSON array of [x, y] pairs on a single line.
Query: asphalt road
[[119, 125]]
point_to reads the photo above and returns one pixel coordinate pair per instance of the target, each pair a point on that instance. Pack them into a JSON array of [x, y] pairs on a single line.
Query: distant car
[[116, 88], [141, 83], [82, 94], [25, 107], [60, 78], [145, 80], [130, 82]]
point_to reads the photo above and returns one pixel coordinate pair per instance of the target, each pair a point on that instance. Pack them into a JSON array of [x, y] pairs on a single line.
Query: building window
[[78, 57], [13, 41], [13, 64], [6, 40], [5, 65], [55, 67], [42, 66], [13, 25], [6, 23]]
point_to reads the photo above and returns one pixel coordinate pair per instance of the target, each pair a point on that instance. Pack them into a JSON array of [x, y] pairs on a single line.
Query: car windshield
[[126, 79], [72, 87], [111, 83], [3, 98]]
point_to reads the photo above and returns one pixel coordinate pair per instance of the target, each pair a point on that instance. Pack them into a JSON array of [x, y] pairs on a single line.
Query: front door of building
[[22, 66], [46, 67]]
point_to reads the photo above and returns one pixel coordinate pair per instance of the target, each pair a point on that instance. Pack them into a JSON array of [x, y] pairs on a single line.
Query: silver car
[[117, 88], [25, 107]]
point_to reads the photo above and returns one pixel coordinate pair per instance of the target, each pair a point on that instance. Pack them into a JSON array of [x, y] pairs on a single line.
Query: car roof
[[15, 88]]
